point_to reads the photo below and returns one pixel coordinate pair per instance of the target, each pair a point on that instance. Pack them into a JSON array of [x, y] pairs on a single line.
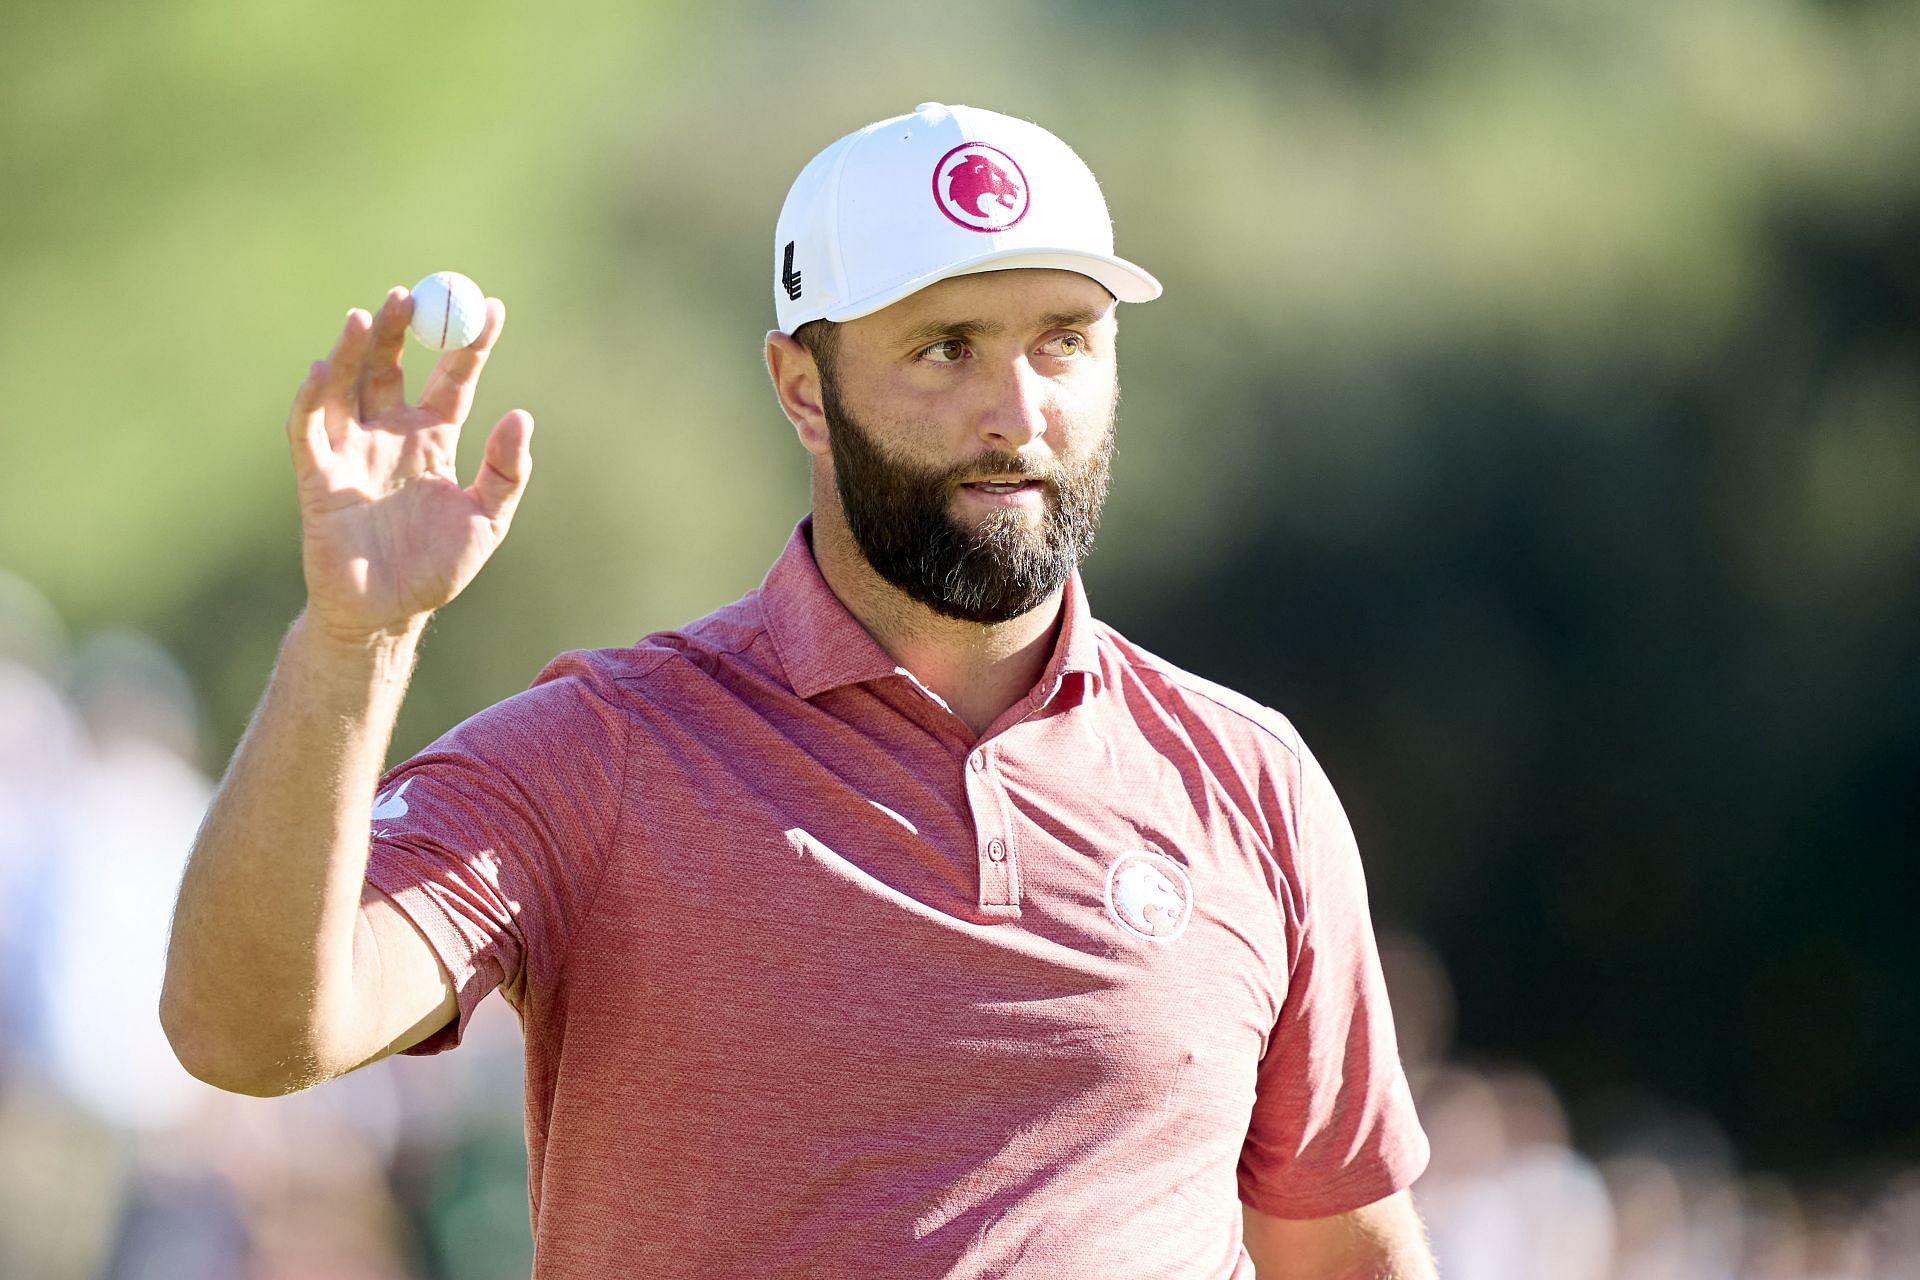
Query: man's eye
[[945, 352], [1068, 344]]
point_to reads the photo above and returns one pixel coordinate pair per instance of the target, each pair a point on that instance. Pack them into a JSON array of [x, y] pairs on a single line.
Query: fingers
[[307, 422], [382, 391], [505, 467], [343, 374], [449, 391]]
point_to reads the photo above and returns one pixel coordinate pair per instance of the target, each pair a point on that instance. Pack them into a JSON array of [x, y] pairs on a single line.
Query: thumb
[[505, 467]]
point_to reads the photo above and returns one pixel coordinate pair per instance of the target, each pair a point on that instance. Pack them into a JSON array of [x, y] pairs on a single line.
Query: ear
[[796, 381]]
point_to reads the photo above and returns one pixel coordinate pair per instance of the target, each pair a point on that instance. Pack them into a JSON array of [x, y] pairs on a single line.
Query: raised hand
[[388, 534]]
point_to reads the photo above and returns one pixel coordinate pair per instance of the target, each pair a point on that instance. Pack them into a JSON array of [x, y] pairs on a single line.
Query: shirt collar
[[1078, 648], [823, 646]]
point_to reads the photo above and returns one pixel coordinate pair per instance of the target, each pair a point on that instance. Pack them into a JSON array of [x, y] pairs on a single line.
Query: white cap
[[946, 191]]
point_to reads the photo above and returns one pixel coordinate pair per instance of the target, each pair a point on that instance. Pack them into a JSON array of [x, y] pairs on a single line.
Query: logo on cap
[[980, 187], [1149, 895], [789, 278]]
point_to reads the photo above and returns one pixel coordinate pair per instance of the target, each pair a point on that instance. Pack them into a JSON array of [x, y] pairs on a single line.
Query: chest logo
[[1149, 895]]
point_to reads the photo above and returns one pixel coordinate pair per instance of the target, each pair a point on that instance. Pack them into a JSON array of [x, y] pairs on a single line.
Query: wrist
[[382, 650]]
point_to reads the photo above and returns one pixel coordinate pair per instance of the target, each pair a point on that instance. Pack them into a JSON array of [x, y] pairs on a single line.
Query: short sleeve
[[492, 840], [1333, 1125]]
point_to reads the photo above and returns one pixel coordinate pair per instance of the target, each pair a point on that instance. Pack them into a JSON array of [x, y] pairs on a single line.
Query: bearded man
[[898, 919]]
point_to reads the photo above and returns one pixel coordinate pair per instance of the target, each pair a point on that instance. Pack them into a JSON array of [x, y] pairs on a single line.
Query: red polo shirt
[[815, 983]]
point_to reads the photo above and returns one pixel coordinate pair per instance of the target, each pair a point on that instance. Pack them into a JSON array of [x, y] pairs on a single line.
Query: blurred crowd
[[1653, 1191], [115, 1163]]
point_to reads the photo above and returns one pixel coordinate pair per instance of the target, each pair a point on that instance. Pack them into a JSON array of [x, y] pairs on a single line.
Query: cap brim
[[1124, 280]]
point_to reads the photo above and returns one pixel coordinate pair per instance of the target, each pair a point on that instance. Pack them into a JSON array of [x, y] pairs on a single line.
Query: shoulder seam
[[1201, 687], [663, 653], [659, 657], [615, 827], [1197, 686]]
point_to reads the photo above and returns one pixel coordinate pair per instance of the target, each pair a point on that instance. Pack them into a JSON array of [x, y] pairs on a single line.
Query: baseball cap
[[941, 192]]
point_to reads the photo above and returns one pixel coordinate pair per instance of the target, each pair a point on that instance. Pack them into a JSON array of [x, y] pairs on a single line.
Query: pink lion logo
[[980, 187], [978, 178]]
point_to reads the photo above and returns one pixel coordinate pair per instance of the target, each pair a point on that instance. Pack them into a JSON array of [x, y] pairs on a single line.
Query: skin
[[285, 968], [974, 365], [1382, 1241]]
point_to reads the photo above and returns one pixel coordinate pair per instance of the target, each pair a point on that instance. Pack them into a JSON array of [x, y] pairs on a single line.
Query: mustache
[[1001, 464]]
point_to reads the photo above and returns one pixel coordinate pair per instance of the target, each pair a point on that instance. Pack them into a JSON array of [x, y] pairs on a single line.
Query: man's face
[[971, 432]]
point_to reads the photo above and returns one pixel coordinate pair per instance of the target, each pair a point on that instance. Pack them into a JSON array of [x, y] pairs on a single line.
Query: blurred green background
[[1531, 416]]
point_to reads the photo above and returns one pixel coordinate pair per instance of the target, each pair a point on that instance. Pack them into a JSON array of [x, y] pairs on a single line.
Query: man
[[899, 919]]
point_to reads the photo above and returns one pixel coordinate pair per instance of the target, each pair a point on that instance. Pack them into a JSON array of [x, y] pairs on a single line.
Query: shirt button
[[979, 762], [996, 850]]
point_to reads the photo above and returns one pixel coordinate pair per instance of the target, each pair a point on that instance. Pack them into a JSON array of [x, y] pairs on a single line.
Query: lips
[[1014, 493], [1001, 486]]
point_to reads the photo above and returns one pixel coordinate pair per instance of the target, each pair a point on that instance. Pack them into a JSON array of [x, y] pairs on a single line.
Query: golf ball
[[448, 311]]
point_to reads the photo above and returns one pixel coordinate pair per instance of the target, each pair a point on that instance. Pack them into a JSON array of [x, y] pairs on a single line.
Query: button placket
[[999, 883]]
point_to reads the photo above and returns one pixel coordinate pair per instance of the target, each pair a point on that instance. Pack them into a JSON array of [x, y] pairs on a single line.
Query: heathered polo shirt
[[816, 983]]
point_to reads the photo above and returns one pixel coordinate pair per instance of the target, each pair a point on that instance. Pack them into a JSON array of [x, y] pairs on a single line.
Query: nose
[[1016, 411]]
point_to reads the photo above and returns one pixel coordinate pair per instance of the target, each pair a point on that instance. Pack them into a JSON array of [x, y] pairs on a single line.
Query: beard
[[901, 517]]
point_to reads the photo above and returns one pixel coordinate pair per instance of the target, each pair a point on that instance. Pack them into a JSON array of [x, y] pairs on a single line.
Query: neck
[[978, 669]]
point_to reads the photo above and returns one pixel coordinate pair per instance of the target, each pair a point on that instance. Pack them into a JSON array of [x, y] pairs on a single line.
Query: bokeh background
[[1531, 416]]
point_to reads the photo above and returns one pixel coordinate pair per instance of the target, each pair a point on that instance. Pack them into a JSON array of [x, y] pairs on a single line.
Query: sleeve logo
[[393, 804]]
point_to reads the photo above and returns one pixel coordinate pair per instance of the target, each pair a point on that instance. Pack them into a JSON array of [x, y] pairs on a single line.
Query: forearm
[[259, 982], [1383, 1241]]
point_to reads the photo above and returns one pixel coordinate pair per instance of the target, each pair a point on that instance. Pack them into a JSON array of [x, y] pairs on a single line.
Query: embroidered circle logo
[[980, 187], [1149, 895]]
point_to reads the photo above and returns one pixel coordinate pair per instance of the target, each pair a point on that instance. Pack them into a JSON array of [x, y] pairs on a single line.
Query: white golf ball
[[448, 311]]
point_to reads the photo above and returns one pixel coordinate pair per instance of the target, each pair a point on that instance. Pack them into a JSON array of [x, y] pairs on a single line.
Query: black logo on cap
[[789, 277]]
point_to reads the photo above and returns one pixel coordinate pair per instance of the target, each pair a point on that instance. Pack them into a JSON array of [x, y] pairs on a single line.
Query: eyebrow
[[934, 330]]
